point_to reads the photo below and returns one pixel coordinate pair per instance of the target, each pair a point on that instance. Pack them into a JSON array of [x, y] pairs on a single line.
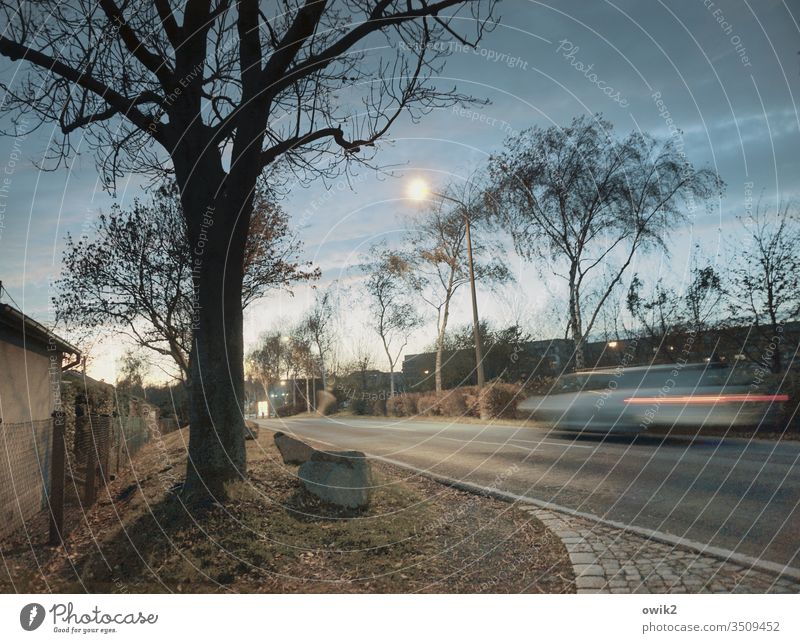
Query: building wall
[[27, 392], [29, 389]]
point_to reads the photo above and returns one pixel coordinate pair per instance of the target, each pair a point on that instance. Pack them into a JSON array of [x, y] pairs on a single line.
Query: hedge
[[499, 400]]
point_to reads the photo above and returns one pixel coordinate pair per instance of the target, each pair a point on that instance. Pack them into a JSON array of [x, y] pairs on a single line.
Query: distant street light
[[418, 190]]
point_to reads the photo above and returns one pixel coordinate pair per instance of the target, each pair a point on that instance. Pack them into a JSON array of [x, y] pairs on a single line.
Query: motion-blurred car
[[629, 399]]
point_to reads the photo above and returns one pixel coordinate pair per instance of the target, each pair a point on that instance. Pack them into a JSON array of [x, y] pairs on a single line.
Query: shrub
[[402, 404], [471, 401], [453, 403], [473, 404], [428, 405], [327, 403], [540, 385], [411, 403], [379, 406], [360, 406], [286, 410], [498, 400], [394, 406]]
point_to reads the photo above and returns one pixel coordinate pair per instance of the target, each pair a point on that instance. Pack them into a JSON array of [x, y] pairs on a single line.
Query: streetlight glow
[[418, 190]]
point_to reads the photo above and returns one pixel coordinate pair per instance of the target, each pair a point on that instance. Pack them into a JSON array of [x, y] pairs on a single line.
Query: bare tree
[[764, 286], [216, 92], [584, 203], [132, 369], [362, 360], [267, 361], [438, 262], [393, 315], [668, 317], [134, 275], [302, 359], [318, 328]]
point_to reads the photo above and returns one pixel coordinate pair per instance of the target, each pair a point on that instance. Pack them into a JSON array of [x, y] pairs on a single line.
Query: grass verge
[[271, 536]]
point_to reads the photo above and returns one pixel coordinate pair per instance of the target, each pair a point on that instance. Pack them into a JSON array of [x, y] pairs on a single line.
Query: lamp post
[[418, 190]]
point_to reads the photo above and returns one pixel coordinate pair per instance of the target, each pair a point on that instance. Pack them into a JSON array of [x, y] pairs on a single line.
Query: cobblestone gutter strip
[[612, 557], [608, 560]]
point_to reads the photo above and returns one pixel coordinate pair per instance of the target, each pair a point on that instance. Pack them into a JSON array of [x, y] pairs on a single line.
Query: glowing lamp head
[[418, 190]]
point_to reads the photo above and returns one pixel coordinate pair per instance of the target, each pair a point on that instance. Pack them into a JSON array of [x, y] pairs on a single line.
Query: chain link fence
[[52, 471], [25, 472]]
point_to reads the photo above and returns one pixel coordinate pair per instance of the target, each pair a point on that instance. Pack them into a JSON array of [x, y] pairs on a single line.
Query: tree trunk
[[776, 338], [440, 345], [575, 320], [217, 227], [308, 398], [322, 374], [217, 206], [391, 365]]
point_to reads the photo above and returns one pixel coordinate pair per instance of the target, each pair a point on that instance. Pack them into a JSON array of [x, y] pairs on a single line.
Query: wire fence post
[[91, 465], [56, 496]]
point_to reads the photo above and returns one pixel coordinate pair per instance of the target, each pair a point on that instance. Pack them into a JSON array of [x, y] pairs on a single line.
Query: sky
[[725, 73]]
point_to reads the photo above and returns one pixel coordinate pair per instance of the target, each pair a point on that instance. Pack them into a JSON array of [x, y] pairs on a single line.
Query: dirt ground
[[272, 536]]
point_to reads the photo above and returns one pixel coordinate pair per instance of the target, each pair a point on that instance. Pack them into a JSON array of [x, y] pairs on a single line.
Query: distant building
[[732, 344], [528, 360], [508, 362]]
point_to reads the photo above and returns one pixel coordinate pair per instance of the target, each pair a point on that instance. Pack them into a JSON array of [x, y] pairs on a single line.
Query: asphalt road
[[739, 495]]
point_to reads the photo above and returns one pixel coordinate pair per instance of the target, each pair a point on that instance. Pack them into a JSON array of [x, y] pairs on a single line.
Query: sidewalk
[[609, 560]]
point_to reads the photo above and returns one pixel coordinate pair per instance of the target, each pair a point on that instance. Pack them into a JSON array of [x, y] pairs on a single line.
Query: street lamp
[[418, 190]]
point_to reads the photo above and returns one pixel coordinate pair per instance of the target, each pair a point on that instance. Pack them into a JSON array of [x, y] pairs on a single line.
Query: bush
[[473, 404], [403, 404], [327, 402], [540, 385], [428, 405], [498, 400], [289, 409], [453, 403], [379, 406], [394, 406], [469, 394], [360, 406]]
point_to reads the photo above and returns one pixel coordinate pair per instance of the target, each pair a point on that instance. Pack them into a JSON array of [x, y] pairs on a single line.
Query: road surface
[[736, 494]]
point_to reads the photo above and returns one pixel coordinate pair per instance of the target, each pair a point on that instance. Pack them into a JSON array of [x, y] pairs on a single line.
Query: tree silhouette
[[585, 203], [134, 275], [215, 92]]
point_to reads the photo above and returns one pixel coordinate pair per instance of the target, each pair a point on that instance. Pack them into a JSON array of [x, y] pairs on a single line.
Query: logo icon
[[31, 616]]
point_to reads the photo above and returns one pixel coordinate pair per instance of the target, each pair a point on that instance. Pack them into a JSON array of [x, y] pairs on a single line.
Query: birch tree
[[585, 204]]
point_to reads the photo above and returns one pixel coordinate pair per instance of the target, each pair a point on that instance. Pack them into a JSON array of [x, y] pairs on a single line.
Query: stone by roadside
[[608, 560]]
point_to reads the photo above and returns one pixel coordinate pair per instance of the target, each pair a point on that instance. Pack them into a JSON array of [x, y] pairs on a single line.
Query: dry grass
[[418, 536]]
